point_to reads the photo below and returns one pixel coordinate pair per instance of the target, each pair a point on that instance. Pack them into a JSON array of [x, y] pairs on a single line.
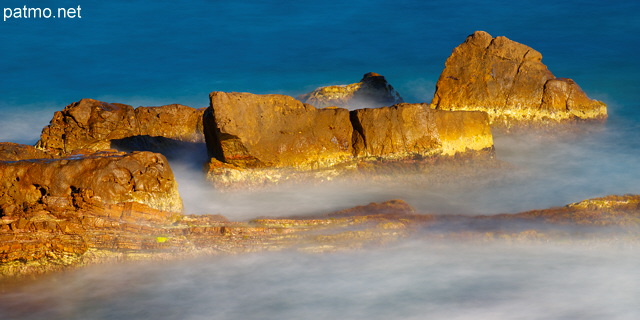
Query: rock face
[[13, 152], [507, 80], [259, 139], [372, 91], [249, 130], [102, 178], [96, 125], [414, 130]]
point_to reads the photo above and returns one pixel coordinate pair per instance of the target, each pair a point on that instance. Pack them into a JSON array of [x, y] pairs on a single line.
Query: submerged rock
[[372, 91], [261, 139], [508, 80], [97, 125]]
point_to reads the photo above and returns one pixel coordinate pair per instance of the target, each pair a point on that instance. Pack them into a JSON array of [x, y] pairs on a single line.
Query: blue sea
[[151, 53]]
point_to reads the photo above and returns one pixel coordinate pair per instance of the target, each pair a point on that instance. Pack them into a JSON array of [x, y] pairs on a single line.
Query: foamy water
[[415, 280]]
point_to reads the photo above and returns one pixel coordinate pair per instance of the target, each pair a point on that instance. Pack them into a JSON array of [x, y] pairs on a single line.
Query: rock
[[414, 131], [372, 91], [52, 240], [253, 131], [13, 152], [255, 140], [173, 121], [508, 80], [96, 125], [88, 180]]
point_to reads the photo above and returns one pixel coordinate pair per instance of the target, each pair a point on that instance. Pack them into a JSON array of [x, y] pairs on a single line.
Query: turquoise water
[[147, 53]]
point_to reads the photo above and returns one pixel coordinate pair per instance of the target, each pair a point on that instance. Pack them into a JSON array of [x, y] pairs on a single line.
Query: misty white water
[[414, 280]]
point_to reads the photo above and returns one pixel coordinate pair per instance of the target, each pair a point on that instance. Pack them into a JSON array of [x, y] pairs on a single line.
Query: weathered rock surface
[[261, 139], [53, 240], [371, 92], [96, 125], [30, 186], [508, 80], [130, 231], [414, 130], [13, 152], [249, 130]]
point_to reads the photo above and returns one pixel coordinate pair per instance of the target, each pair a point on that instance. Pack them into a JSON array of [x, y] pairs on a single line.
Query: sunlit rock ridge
[[508, 80]]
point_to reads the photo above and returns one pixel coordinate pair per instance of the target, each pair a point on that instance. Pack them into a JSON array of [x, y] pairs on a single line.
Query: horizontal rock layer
[[508, 80], [130, 231], [95, 125]]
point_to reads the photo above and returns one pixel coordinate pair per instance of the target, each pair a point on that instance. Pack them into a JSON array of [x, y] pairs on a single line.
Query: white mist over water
[[414, 280], [545, 170]]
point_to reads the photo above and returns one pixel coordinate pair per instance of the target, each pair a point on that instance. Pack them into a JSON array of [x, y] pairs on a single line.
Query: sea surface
[[151, 53]]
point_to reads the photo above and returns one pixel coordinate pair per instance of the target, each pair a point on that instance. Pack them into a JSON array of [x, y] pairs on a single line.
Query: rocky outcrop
[[372, 91], [508, 80], [132, 231], [254, 131], [414, 131], [95, 125], [31, 244], [13, 152], [261, 139], [66, 184]]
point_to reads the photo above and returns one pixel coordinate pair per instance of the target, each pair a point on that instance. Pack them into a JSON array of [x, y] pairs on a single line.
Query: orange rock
[[508, 80], [251, 130], [96, 179], [95, 125], [407, 131]]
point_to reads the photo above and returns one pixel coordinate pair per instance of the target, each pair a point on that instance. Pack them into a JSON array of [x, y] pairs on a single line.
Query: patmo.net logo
[[42, 13]]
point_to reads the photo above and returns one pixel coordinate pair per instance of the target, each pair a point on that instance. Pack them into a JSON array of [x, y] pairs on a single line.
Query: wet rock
[[96, 125], [13, 152], [371, 92], [508, 80]]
